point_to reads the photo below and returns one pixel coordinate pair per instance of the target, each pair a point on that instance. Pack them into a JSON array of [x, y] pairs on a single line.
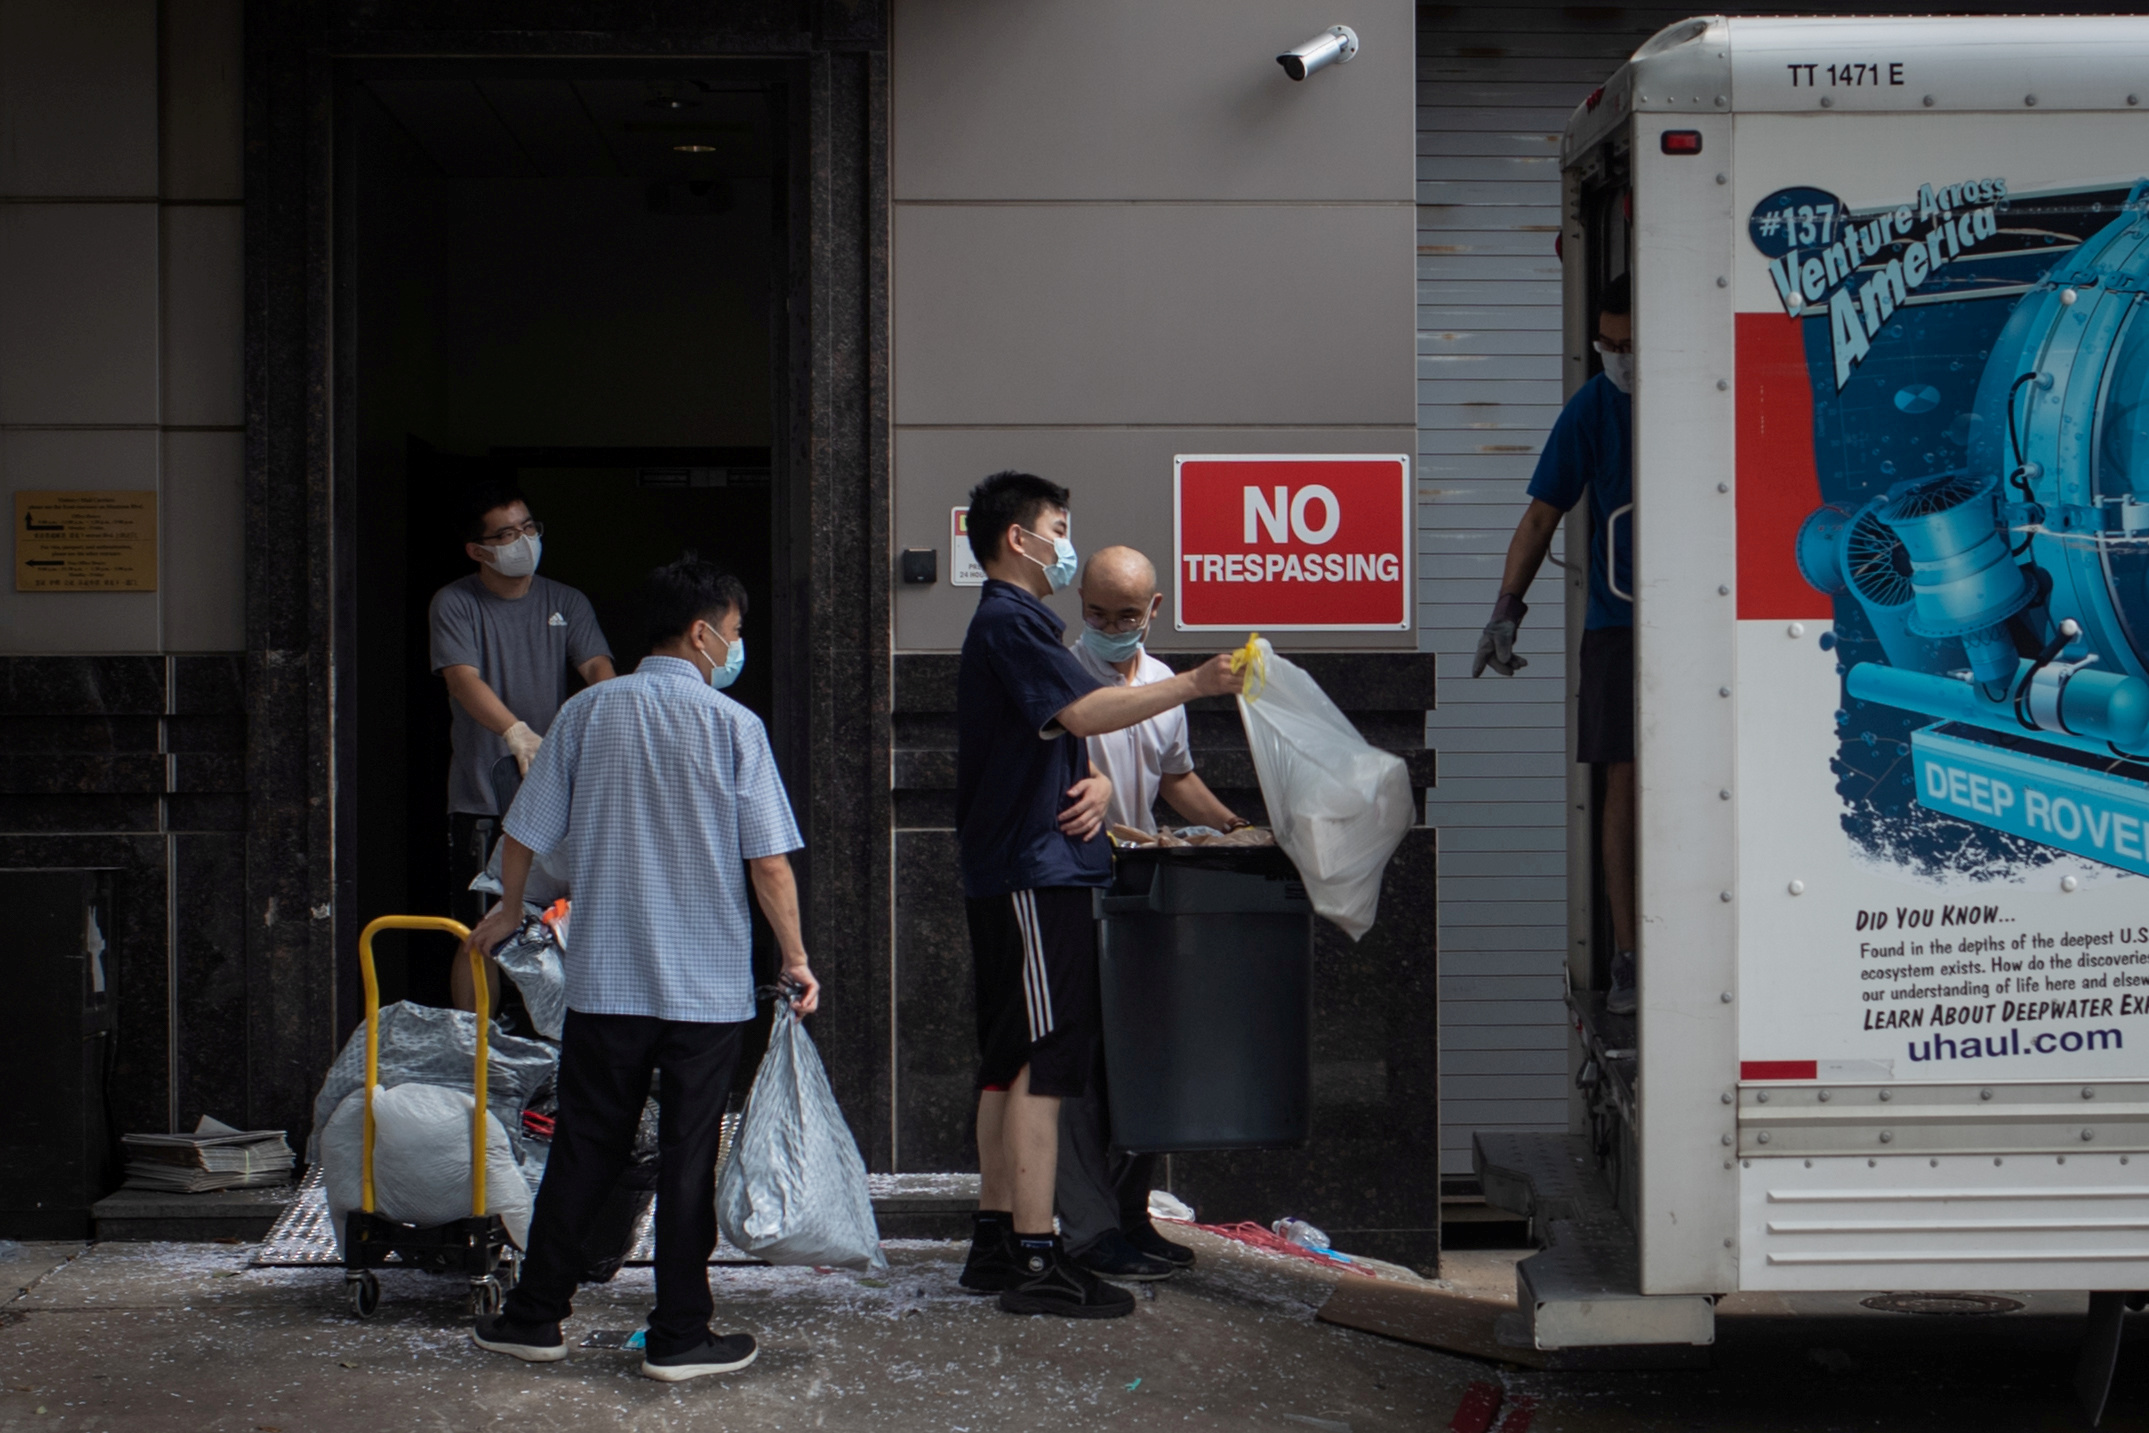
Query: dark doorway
[[573, 276]]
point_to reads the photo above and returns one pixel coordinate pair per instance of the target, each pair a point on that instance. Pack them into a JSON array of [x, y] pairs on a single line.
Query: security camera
[[1336, 45]]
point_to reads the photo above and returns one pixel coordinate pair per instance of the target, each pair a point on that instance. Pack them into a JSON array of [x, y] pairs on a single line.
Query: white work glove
[[1496, 644], [522, 744]]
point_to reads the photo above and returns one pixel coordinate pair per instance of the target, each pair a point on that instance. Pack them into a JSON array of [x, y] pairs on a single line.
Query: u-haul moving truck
[[1891, 532]]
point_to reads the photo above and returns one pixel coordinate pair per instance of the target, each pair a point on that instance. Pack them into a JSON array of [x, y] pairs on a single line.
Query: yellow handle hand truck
[[477, 1246]]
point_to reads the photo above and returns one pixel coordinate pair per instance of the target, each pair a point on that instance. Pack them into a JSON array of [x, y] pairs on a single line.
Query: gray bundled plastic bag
[[425, 1045], [794, 1189], [531, 957]]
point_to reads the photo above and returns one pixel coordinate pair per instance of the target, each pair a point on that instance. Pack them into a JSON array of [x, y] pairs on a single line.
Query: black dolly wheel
[[364, 1293], [486, 1295]]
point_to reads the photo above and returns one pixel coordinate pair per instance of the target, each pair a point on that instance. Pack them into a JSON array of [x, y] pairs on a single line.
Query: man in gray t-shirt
[[505, 640]]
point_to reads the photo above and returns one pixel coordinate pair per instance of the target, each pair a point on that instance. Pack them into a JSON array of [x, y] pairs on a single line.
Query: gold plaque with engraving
[[86, 541]]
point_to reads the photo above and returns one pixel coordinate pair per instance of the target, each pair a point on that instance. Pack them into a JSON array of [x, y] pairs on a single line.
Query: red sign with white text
[[1292, 543]]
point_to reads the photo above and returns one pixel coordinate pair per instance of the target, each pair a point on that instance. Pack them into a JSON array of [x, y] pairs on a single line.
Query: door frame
[[830, 450]]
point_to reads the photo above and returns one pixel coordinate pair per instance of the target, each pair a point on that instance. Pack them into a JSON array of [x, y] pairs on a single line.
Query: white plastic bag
[[421, 1160], [1339, 807], [794, 1189]]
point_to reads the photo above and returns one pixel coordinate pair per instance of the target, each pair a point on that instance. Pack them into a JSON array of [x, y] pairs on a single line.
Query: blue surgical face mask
[[734, 663], [1060, 572], [1114, 647]]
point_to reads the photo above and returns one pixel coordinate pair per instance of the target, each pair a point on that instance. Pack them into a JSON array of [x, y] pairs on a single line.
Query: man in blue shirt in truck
[[1590, 451]]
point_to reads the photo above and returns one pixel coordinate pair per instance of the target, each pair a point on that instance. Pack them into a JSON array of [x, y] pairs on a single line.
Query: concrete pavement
[[188, 1337]]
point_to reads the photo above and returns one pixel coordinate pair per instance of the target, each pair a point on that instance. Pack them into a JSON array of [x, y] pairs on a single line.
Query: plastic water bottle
[[1298, 1231]]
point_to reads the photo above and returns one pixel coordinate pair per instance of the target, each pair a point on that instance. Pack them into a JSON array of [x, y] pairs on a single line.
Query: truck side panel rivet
[[1723, 590], [1762, 1137], [1984, 1094], [2089, 1134], [1728, 1244], [2134, 99], [1723, 487], [2088, 1093], [1727, 1139], [1797, 888], [1724, 896], [1723, 796], [2030, 100], [1722, 282], [1827, 103], [1723, 691], [1928, 101], [1723, 385], [2069, 884], [1887, 1136], [1826, 1096], [1725, 997]]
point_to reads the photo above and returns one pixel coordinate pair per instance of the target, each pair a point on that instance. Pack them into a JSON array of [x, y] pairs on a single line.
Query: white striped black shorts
[[1035, 956]]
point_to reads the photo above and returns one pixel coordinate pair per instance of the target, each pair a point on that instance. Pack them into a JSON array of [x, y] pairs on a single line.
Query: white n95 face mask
[[518, 558], [1619, 367]]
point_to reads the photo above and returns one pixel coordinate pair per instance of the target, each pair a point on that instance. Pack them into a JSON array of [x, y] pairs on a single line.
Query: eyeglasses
[[532, 528], [1116, 628]]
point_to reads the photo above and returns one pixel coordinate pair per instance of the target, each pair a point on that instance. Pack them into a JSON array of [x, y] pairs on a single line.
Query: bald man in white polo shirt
[[1102, 1199]]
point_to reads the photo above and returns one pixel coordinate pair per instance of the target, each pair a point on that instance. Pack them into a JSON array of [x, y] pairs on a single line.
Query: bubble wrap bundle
[[421, 1161], [425, 1045]]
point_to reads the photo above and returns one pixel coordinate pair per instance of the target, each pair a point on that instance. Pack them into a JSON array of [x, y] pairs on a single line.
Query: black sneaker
[[1626, 991], [1051, 1283], [726, 1354], [991, 1267], [1112, 1257], [533, 1343], [1144, 1237]]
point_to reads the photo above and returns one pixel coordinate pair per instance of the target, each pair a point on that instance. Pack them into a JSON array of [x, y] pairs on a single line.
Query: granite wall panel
[[936, 1009], [209, 963]]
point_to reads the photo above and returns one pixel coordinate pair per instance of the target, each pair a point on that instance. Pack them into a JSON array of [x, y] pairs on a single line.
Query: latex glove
[[522, 744], [1496, 644]]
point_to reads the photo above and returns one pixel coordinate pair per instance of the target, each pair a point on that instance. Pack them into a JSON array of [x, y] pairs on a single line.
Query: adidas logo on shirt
[[557, 621]]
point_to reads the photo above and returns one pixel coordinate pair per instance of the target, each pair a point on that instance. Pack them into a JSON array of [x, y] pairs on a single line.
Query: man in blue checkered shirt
[[666, 797]]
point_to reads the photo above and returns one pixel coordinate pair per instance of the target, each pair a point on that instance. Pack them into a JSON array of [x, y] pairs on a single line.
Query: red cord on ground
[[1474, 1414], [1260, 1238]]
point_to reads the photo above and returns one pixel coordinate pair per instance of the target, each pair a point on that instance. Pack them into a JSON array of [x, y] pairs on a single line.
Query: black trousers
[[1096, 1191], [470, 838], [605, 1063]]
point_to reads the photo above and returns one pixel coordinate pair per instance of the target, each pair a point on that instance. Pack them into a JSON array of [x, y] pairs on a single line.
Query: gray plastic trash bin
[[1206, 963]]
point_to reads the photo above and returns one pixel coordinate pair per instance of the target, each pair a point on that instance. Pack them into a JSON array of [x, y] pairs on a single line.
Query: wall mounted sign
[[88, 541], [963, 568], [1292, 543]]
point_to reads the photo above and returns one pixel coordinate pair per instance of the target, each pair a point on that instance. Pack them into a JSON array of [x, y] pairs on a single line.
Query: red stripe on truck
[[1777, 485], [1779, 1069]]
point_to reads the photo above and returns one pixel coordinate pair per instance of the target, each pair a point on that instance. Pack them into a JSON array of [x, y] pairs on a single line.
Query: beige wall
[[1120, 233], [121, 306]]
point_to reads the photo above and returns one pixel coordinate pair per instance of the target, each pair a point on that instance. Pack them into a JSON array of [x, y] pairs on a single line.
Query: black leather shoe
[[1112, 1257], [1052, 1283], [991, 1267], [1145, 1238]]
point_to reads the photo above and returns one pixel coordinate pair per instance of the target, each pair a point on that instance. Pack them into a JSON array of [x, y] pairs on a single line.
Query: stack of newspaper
[[215, 1156]]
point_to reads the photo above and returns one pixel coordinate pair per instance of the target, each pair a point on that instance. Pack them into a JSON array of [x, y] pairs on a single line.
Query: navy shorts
[[1035, 957], [1607, 714]]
